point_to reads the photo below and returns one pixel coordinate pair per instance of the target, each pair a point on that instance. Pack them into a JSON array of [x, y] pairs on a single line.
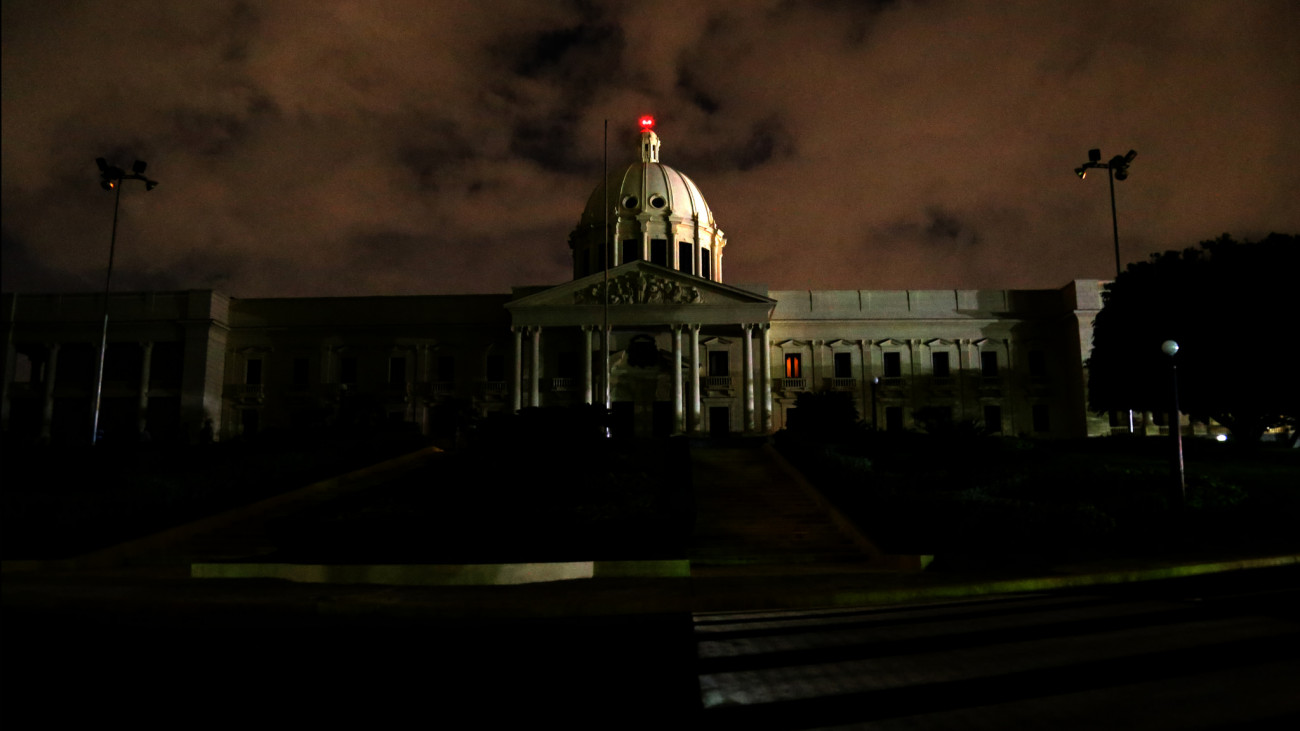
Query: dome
[[655, 213]]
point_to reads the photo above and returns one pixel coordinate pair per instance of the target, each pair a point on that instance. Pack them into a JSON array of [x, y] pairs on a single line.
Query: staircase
[[752, 516]]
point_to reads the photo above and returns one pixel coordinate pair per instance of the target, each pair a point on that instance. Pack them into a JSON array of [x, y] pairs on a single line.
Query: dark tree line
[[1231, 307]]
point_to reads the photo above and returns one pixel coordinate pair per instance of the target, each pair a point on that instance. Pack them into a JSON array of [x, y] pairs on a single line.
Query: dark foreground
[[1220, 650]]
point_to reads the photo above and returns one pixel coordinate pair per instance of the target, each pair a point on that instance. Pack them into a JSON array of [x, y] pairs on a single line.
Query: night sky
[[313, 147]]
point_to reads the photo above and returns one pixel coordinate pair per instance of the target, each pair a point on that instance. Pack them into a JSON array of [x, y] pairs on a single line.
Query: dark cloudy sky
[[315, 147]]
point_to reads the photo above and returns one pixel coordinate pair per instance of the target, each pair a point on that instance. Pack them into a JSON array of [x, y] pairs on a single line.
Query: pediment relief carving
[[639, 288]]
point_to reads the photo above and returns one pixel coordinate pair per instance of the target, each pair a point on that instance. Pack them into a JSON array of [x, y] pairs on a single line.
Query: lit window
[[792, 369]]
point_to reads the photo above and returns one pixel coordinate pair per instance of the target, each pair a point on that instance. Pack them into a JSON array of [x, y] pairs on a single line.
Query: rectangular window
[[894, 418], [1042, 418], [347, 370], [631, 250], [893, 365], [940, 363], [446, 368], [718, 363], [496, 367], [397, 369], [792, 369], [685, 262], [705, 261], [301, 374], [253, 372], [993, 418], [843, 365], [989, 364], [659, 252], [1037, 365]]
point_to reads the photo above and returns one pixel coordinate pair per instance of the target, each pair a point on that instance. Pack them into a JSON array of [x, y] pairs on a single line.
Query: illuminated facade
[[688, 353]]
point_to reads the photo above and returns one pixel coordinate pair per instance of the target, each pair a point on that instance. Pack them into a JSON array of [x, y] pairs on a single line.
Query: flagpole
[[604, 255]]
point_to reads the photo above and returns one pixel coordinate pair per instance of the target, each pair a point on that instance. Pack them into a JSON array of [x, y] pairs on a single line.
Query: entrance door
[[719, 421]]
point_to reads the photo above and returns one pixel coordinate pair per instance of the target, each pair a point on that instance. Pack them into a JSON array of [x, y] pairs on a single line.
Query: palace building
[[688, 353]]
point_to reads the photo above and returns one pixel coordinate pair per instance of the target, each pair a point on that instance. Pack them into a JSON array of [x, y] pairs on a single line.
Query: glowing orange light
[[647, 122]]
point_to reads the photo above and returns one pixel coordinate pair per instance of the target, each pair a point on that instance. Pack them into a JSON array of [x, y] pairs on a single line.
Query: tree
[[1231, 307], [824, 415]]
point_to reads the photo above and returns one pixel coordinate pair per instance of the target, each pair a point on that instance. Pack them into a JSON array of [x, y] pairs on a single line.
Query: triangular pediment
[[640, 283], [641, 292]]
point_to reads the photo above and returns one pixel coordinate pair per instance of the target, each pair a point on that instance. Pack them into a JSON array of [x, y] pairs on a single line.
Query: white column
[[695, 379], [535, 370], [748, 378], [142, 412], [868, 405], [47, 411], [516, 395], [586, 364], [765, 374], [679, 415]]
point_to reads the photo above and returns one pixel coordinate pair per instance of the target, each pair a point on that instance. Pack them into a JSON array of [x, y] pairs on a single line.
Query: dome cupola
[[653, 212]]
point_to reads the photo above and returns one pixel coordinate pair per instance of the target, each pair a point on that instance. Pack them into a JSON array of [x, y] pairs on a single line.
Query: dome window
[[658, 201], [630, 202]]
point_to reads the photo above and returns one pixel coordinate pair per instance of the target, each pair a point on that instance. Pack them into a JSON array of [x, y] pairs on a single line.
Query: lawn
[[60, 502], [979, 500]]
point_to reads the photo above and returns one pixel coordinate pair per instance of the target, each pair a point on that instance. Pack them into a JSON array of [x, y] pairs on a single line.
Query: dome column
[[695, 379], [515, 384], [679, 415], [747, 378], [765, 375], [586, 363], [535, 367], [47, 407]]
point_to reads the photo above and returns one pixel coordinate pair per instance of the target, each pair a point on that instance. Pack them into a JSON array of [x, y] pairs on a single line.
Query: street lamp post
[[111, 178], [1170, 348], [1116, 169], [875, 424]]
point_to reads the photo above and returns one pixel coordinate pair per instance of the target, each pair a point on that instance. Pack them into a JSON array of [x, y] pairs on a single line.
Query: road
[[1220, 650], [1211, 651]]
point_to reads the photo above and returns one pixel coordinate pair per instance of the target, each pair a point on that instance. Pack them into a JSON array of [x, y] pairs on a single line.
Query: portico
[[657, 318]]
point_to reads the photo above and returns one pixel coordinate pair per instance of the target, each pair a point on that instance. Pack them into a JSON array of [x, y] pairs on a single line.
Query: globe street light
[[1170, 348], [875, 424], [111, 178], [1116, 169]]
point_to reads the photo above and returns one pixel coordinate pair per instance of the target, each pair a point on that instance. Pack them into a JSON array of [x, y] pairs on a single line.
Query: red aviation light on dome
[[647, 122]]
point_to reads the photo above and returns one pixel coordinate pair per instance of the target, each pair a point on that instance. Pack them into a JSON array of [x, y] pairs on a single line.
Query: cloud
[[319, 147]]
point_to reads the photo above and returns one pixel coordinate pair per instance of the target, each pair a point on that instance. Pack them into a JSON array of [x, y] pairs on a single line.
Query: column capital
[[693, 328], [746, 326]]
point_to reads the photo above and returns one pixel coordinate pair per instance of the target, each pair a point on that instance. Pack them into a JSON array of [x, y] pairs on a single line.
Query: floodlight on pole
[[1116, 169], [1170, 348], [110, 178]]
